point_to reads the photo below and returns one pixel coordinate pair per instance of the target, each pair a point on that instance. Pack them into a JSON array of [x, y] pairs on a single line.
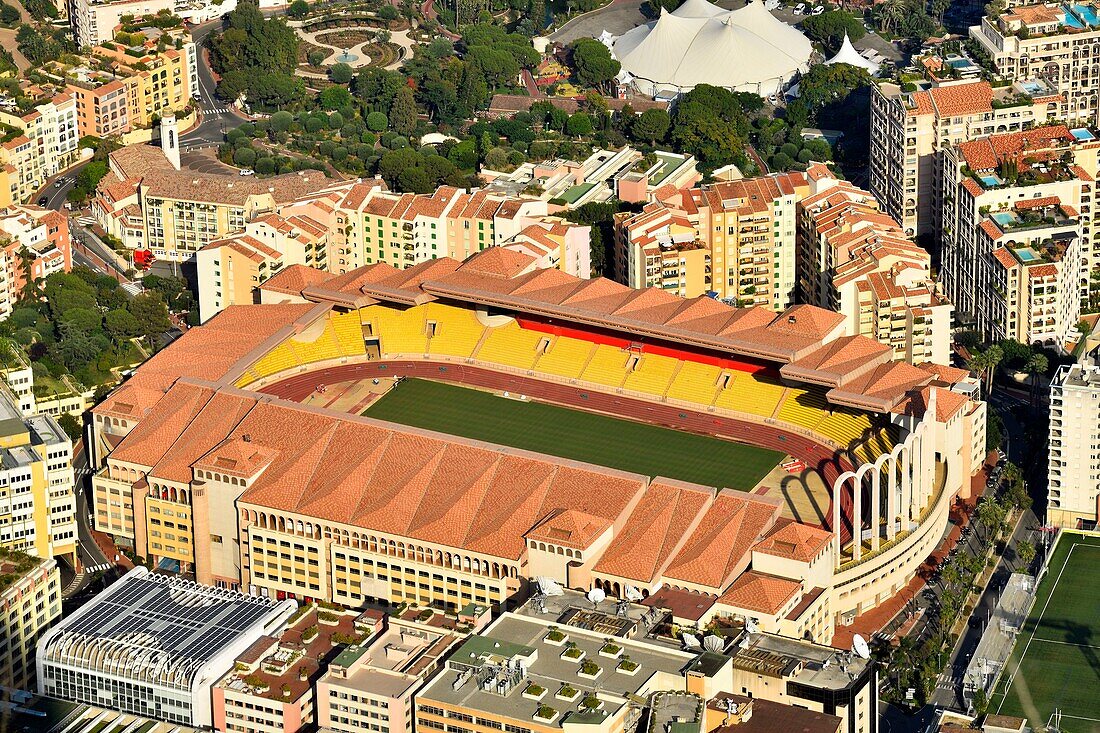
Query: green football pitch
[[574, 434], [1056, 661]]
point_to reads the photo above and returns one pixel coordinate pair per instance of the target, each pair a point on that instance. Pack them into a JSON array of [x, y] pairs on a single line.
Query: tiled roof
[[1005, 257], [795, 541], [657, 528], [758, 592], [719, 547], [962, 99], [569, 528], [293, 279]]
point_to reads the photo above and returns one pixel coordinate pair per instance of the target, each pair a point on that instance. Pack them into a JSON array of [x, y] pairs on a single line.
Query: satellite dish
[[859, 646], [549, 586], [751, 627], [713, 643], [691, 641], [596, 595], [632, 593]]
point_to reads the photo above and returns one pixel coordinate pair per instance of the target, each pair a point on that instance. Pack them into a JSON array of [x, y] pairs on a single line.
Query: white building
[[154, 646], [1074, 469], [95, 21]]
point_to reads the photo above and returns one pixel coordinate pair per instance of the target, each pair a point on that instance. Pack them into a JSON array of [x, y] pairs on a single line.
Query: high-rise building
[[1031, 192], [911, 129], [30, 596], [1073, 475]]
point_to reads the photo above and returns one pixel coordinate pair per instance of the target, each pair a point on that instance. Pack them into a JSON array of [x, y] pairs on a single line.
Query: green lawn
[[1059, 645], [574, 434]]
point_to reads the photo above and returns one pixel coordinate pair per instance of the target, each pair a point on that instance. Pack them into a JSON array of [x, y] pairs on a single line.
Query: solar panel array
[[176, 616]]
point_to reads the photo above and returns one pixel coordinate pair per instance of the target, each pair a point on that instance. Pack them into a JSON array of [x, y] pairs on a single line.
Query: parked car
[[247, 172], [819, 10], [800, 9]]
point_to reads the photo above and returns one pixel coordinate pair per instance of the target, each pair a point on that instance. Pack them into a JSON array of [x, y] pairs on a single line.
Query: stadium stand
[[607, 366], [399, 332], [566, 357], [805, 407], [844, 426], [652, 375], [457, 330], [349, 333], [750, 393], [511, 345], [695, 382]]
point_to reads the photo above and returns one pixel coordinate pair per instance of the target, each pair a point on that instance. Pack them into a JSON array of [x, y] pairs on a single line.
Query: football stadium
[[456, 431], [1054, 663]]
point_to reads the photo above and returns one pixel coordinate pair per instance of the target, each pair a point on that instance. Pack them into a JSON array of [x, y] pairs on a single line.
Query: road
[[89, 552]]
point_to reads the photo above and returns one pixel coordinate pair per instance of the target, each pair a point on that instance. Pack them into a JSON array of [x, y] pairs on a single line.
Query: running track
[[816, 455]]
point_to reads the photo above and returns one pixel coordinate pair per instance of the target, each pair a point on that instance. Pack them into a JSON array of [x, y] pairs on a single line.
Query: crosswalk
[[216, 111], [98, 568]]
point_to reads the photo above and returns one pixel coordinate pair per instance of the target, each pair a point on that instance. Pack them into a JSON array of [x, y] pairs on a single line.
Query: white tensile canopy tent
[[849, 55], [745, 50]]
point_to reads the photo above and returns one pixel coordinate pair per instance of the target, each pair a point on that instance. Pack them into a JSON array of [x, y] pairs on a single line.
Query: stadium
[[453, 432]]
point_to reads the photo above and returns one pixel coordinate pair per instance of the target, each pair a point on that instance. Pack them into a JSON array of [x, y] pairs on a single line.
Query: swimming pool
[[991, 180], [1070, 20], [1031, 87], [1005, 218], [1088, 14], [1082, 133], [1026, 255]]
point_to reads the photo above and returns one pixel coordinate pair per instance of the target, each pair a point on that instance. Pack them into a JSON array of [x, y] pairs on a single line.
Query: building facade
[[1073, 473], [48, 142], [30, 597], [94, 22]]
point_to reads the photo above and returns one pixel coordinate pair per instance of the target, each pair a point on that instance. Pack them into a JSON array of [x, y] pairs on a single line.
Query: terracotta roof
[[293, 279], [947, 403], [719, 547], [569, 528], [949, 374], [1005, 257], [769, 717], [754, 591], [685, 604], [207, 352], [795, 541], [962, 99], [656, 530]]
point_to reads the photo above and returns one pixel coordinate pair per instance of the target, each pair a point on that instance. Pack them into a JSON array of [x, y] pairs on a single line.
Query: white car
[[800, 9], [246, 172], [819, 10]]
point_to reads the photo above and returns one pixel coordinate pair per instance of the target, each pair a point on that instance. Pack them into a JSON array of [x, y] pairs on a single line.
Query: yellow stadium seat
[[652, 375], [750, 393], [457, 330], [566, 357], [511, 345], [398, 331], [349, 333], [805, 407], [844, 427], [695, 382], [607, 366], [280, 358]]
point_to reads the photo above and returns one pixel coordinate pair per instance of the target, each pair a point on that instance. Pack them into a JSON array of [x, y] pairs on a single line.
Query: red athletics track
[[821, 457]]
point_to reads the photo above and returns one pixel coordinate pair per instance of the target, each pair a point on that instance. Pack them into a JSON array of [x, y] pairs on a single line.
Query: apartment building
[[30, 595], [101, 110], [1073, 472], [157, 82], [231, 270], [370, 224], [1030, 191], [1048, 48], [856, 260], [45, 141], [911, 129], [736, 240], [34, 244], [625, 174], [270, 688], [370, 686], [95, 21], [38, 507], [149, 203]]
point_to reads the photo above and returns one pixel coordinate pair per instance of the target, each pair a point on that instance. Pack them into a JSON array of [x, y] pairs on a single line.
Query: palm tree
[[1036, 365], [990, 515], [890, 13], [985, 364], [1026, 552]]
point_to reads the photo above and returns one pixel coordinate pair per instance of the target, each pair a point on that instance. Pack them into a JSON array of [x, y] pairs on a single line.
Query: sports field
[[574, 434], [1056, 662]]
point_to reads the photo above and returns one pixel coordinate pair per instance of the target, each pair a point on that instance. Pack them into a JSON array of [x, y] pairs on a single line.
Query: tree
[[709, 123], [71, 426], [1036, 366], [415, 180], [653, 8], [316, 57], [651, 125], [403, 112], [121, 325], [592, 63], [1026, 552], [980, 702], [341, 74], [335, 97], [151, 315], [579, 125], [8, 14], [298, 9], [985, 365], [990, 515], [377, 121], [830, 27]]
